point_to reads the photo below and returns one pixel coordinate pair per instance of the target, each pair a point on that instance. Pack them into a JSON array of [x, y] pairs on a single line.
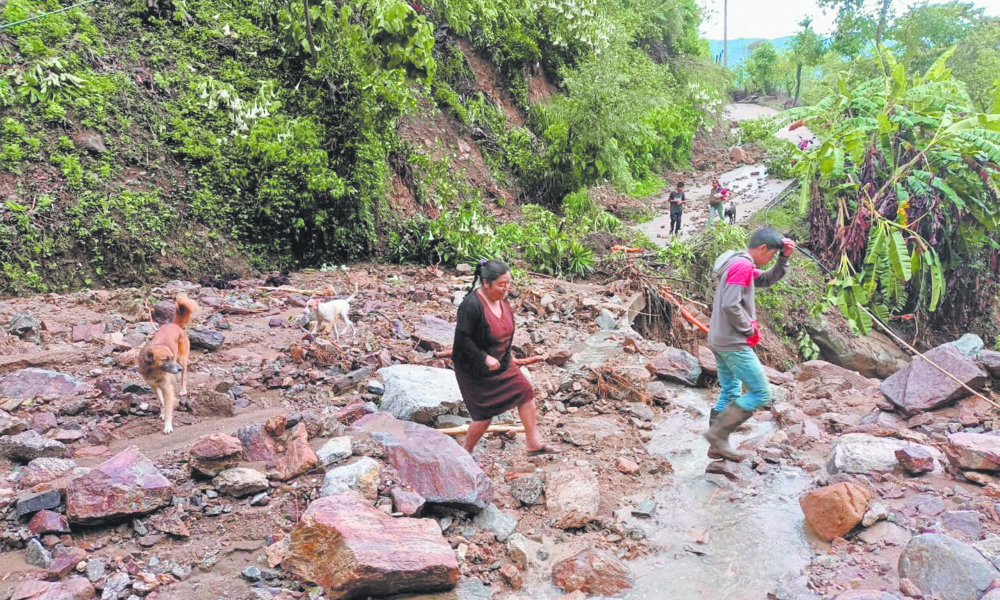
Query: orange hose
[[684, 312], [626, 249]]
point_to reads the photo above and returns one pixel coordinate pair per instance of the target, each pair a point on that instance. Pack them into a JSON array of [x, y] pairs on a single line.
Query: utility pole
[[309, 32], [725, 33]]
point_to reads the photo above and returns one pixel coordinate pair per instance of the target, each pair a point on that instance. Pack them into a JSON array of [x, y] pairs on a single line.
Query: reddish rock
[[90, 451], [921, 387], [353, 411], [989, 359], [126, 485], [258, 445], [214, 454], [674, 364], [44, 470], [512, 575], [210, 403], [915, 459], [74, 588], [64, 563], [429, 462], [977, 451], [47, 521], [85, 333], [341, 544], [41, 383], [706, 360], [572, 497], [629, 467], [559, 356], [42, 421], [169, 521], [433, 333], [834, 510], [595, 572], [299, 457], [411, 504], [276, 425]]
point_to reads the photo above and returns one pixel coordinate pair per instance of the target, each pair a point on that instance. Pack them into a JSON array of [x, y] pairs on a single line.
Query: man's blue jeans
[[741, 366]]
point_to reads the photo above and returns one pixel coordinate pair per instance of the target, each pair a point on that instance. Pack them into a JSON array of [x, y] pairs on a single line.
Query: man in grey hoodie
[[733, 333]]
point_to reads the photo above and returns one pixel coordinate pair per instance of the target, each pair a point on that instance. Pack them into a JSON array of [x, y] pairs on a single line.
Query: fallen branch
[[323, 291], [236, 310], [463, 429]]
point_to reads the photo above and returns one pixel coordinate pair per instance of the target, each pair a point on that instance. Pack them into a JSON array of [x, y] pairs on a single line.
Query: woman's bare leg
[[476, 431], [529, 420]]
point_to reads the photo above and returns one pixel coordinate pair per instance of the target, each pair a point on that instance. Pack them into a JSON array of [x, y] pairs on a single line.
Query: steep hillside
[[149, 140]]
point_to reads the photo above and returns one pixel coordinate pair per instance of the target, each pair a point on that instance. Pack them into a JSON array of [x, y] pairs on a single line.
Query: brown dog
[[166, 355]]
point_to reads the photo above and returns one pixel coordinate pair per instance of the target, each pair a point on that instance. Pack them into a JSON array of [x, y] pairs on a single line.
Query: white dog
[[329, 313]]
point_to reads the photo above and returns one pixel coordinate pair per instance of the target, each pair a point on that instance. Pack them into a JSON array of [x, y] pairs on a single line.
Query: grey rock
[[206, 339], [492, 519], [29, 445], [674, 364], [334, 450], [887, 533], [872, 355], [114, 585], [921, 387], [375, 387], [970, 344], [964, 522], [433, 333], [449, 421], [251, 574], [418, 393], [95, 569], [37, 555], [990, 360], [990, 549], [941, 565], [646, 509], [862, 453], [25, 327], [606, 320], [361, 476], [527, 490], [240, 481], [876, 512], [32, 503]]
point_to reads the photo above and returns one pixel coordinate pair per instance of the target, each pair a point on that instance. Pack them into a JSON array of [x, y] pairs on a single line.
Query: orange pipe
[[684, 312]]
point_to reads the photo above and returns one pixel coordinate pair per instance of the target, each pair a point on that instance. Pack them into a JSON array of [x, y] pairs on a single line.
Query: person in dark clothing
[[677, 203], [490, 383]]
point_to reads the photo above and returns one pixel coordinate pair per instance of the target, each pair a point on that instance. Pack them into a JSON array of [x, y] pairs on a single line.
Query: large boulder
[[433, 333], [41, 383], [29, 445], [834, 510], [44, 470], [872, 355], [674, 364], [214, 454], [74, 588], [362, 476], [921, 387], [124, 486], [977, 451], [354, 550], [861, 453], [418, 393], [943, 567], [573, 497], [429, 462], [594, 572]]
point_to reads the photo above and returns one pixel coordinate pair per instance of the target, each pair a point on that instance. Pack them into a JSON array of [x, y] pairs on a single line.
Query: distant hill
[[739, 49]]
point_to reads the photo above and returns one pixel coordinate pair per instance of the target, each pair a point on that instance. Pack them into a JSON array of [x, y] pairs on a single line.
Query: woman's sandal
[[545, 449]]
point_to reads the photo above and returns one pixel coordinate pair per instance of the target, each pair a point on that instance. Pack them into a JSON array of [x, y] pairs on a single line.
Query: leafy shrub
[[757, 129], [782, 155]]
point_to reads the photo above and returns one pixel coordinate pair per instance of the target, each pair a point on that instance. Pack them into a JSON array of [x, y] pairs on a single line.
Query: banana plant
[[902, 192]]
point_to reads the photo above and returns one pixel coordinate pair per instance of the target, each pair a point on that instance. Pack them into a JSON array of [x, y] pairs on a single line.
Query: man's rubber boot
[[725, 424], [712, 415]]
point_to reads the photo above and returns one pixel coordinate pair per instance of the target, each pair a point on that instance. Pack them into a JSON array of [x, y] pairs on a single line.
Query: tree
[[977, 62], [903, 193], [807, 50], [760, 66], [927, 30], [857, 24]]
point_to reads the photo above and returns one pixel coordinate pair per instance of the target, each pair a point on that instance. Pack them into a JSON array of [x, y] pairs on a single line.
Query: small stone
[[261, 499], [114, 585], [517, 548], [47, 521], [876, 512], [214, 454], [251, 574], [95, 569], [410, 504], [32, 503], [375, 387], [606, 320], [29, 445], [492, 519], [37, 555], [646, 509], [594, 572], [512, 575], [834, 510], [909, 588], [361, 475], [627, 466], [240, 481], [334, 450], [915, 460]]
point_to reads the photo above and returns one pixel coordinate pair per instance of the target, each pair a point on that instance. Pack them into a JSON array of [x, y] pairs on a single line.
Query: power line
[[55, 12]]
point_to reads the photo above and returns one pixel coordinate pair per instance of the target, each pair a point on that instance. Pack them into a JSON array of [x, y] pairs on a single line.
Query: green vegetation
[[276, 134]]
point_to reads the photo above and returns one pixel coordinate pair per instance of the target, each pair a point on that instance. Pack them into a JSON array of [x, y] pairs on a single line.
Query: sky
[[777, 18]]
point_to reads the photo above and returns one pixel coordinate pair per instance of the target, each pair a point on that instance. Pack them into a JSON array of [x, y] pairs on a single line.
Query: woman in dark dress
[[490, 383]]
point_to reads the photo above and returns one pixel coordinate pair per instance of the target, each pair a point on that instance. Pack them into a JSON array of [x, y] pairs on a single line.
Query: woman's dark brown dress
[[477, 333]]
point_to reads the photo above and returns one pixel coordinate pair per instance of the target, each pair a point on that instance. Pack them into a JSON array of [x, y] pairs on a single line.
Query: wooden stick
[[462, 430], [530, 360], [684, 312]]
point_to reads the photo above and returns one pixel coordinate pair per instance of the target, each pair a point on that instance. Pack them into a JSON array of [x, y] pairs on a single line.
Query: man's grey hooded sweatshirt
[[734, 308]]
